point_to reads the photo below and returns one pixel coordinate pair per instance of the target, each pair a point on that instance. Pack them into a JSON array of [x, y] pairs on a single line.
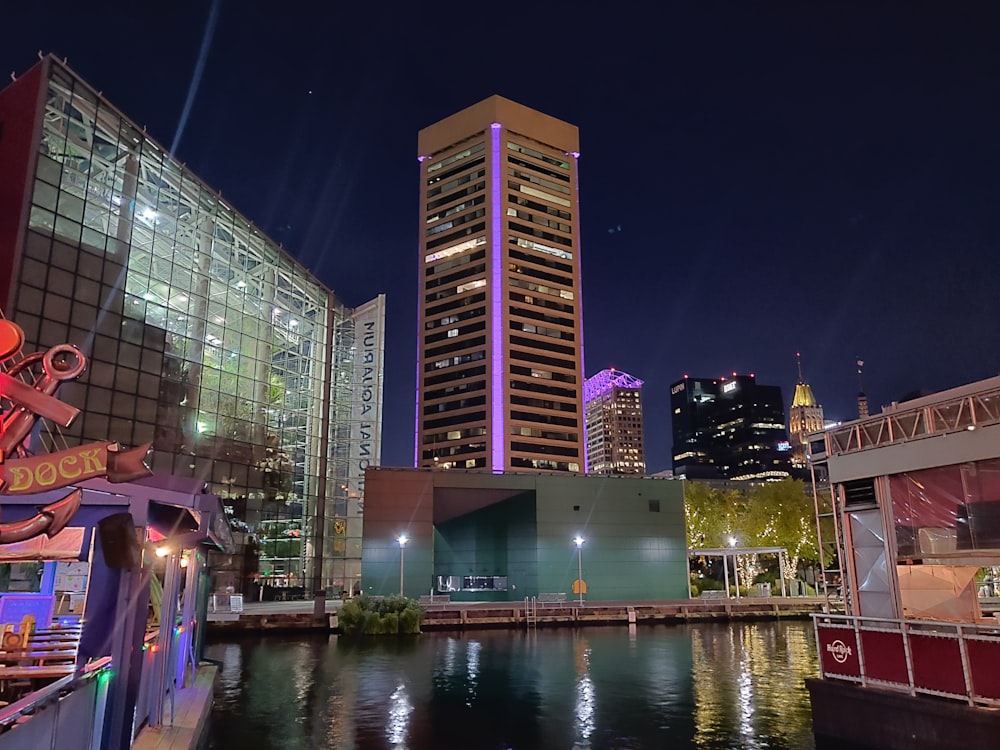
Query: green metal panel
[[633, 549], [495, 541], [634, 531]]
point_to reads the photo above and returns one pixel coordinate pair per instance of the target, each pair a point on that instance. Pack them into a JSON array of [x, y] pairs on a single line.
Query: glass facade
[[205, 340]]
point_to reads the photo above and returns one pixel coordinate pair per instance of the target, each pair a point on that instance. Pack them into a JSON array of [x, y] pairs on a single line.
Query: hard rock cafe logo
[[22, 473], [839, 650]]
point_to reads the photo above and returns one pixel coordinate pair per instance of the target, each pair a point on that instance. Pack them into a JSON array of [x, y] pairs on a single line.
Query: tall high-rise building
[[729, 428], [500, 344], [204, 338], [613, 407], [805, 416]]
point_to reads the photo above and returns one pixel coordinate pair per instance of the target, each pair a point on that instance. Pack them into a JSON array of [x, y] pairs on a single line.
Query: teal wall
[[400, 504], [629, 552], [523, 526], [498, 540]]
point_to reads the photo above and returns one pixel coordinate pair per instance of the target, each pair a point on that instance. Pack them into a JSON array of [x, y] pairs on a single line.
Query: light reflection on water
[[710, 686]]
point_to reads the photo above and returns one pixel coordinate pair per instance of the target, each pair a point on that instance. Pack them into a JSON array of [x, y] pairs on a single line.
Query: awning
[[66, 545]]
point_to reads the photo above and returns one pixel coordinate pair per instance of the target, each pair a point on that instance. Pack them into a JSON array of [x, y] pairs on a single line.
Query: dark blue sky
[[815, 177]]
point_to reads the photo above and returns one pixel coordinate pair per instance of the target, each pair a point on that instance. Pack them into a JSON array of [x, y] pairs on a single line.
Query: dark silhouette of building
[[729, 428]]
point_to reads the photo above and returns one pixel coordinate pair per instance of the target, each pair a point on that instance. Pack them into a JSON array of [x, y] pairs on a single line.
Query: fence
[[66, 714], [946, 659]]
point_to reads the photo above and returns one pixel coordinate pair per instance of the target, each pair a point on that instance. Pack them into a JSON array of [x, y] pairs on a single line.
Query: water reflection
[[400, 709], [584, 695], [707, 686], [749, 679]]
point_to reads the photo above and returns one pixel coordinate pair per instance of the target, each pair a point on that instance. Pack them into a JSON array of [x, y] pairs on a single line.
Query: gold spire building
[[805, 416]]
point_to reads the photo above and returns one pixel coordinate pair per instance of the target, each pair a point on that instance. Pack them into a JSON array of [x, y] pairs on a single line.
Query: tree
[[776, 514]]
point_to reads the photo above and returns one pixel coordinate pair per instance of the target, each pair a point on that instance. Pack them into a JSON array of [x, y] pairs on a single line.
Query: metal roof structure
[[605, 380]]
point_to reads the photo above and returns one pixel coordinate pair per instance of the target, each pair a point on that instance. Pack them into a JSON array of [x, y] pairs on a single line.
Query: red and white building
[[915, 661]]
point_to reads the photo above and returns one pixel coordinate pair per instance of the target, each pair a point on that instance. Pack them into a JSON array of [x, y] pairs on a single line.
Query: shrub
[[372, 623], [410, 619], [391, 615], [389, 624], [351, 616]]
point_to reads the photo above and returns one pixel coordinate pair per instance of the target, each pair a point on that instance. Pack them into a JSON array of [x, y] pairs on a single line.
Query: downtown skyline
[[752, 184]]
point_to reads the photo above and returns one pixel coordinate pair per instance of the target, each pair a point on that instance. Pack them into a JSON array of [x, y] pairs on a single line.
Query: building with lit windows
[[729, 428], [500, 345], [205, 339], [613, 408], [804, 417]]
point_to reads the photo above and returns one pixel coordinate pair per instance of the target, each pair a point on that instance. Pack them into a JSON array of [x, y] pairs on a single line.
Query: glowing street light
[[579, 565], [402, 553]]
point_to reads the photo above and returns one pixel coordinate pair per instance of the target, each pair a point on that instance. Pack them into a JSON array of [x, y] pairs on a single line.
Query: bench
[[434, 599], [552, 598], [713, 594]]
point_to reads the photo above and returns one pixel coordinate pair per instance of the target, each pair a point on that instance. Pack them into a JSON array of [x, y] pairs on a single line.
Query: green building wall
[[522, 526]]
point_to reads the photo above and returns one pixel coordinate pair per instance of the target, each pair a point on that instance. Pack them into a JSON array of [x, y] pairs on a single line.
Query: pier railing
[[66, 714], [953, 660]]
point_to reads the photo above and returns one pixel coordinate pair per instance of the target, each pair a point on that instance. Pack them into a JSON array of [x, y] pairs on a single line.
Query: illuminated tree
[[776, 514]]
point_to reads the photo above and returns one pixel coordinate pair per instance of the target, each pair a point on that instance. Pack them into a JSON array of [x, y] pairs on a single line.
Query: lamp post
[[579, 565], [402, 555]]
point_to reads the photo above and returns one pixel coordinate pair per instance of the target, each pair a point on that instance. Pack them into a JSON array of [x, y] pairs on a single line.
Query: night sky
[[756, 178]]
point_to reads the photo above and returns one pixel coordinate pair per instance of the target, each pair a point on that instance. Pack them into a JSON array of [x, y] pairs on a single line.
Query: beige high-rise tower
[[499, 343]]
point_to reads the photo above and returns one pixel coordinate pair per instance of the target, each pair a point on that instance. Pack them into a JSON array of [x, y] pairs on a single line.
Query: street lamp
[[579, 565], [402, 554]]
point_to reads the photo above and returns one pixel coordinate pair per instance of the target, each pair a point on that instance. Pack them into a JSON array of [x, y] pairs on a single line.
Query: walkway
[[183, 729]]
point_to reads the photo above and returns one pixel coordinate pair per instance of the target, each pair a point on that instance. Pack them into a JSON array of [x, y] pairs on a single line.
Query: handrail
[[922, 673], [38, 699]]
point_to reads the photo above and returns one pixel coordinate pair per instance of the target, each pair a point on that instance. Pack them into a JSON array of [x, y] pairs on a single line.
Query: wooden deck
[[183, 730]]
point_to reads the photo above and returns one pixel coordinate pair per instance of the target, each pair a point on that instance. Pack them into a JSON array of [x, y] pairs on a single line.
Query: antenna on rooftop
[[862, 398]]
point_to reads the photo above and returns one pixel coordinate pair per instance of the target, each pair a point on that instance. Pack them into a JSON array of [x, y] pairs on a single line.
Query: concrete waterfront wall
[[568, 614]]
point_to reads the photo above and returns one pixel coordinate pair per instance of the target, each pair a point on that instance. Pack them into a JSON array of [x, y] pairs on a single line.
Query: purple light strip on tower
[[498, 449], [420, 330], [579, 290]]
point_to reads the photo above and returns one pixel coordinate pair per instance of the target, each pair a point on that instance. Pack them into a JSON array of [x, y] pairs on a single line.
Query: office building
[[613, 407], [206, 340], [500, 345], [729, 428]]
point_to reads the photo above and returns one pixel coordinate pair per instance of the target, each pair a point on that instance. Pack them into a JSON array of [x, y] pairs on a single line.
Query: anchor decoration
[[21, 473]]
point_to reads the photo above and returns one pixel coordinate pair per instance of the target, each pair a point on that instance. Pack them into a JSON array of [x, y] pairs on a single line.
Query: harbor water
[[708, 686]]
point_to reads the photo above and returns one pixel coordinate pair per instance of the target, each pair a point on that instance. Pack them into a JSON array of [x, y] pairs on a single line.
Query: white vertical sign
[[366, 399]]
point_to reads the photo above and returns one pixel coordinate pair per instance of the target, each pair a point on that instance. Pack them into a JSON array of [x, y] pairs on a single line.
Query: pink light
[[422, 159], [498, 433]]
